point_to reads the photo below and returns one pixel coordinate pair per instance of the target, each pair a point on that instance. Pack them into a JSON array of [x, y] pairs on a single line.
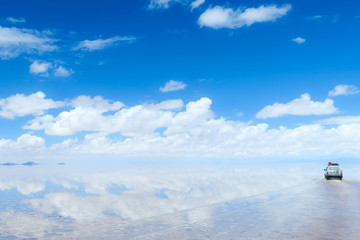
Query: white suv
[[333, 170]]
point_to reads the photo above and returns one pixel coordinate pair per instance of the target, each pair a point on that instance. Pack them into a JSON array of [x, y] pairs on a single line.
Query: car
[[333, 170]]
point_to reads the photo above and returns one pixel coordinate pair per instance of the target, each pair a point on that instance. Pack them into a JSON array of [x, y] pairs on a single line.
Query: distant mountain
[[9, 164], [24, 164], [30, 164]]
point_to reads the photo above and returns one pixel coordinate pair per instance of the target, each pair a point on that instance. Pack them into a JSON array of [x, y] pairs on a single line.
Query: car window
[[334, 168]]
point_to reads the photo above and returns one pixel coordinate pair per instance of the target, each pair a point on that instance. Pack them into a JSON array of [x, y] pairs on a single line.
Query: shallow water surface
[[51, 201]]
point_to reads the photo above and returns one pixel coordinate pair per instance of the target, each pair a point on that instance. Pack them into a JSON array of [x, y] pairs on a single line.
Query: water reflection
[[315, 210], [56, 201]]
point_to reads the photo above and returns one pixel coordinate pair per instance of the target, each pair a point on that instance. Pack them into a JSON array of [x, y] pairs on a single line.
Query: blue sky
[[193, 79]]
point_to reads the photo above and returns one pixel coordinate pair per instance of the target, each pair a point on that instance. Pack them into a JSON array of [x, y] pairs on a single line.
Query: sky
[[179, 79]]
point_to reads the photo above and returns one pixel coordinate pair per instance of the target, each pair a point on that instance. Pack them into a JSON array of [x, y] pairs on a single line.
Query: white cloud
[[221, 17], [20, 105], [24, 145], [196, 113], [159, 4], [316, 17], [341, 120], [46, 69], [299, 40], [173, 86], [15, 41], [140, 120], [240, 114], [97, 102], [300, 106], [196, 3], [344, 90], [87, 115], [30, 141], [170, 104], [167, 129], [40, 68], [15, 20], [99, 44], [209, 138], [225, 139], [62, 72], [165, 4]]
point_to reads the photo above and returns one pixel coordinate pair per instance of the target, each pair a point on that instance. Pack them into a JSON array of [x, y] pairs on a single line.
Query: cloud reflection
[[134, 194], [130, 195]]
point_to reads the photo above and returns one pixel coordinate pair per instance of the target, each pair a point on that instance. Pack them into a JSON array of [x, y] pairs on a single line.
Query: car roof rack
[[333, 164]]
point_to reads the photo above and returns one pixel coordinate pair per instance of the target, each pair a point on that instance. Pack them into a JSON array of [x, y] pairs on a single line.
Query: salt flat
[[188, 202], [318, 210]]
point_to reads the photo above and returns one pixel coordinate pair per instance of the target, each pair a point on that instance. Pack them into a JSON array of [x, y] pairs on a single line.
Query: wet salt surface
[[211, 202], [318, 210]]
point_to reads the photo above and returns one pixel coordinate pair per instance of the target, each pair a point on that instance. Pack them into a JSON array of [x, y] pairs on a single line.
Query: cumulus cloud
[[168, 129], [99, 44], [15, 20], [174, 129], [344, 90], [28, 140], [300, 106], [45, 69], [97, 102], [209, 137], [196, 113], [24, 144], [61, 71], [221, 17], [299, 40], [173, 86], [40, 68], [140, 120], [196, 3], [20, 105], [87, 115], [225, 139], [15, 41]]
